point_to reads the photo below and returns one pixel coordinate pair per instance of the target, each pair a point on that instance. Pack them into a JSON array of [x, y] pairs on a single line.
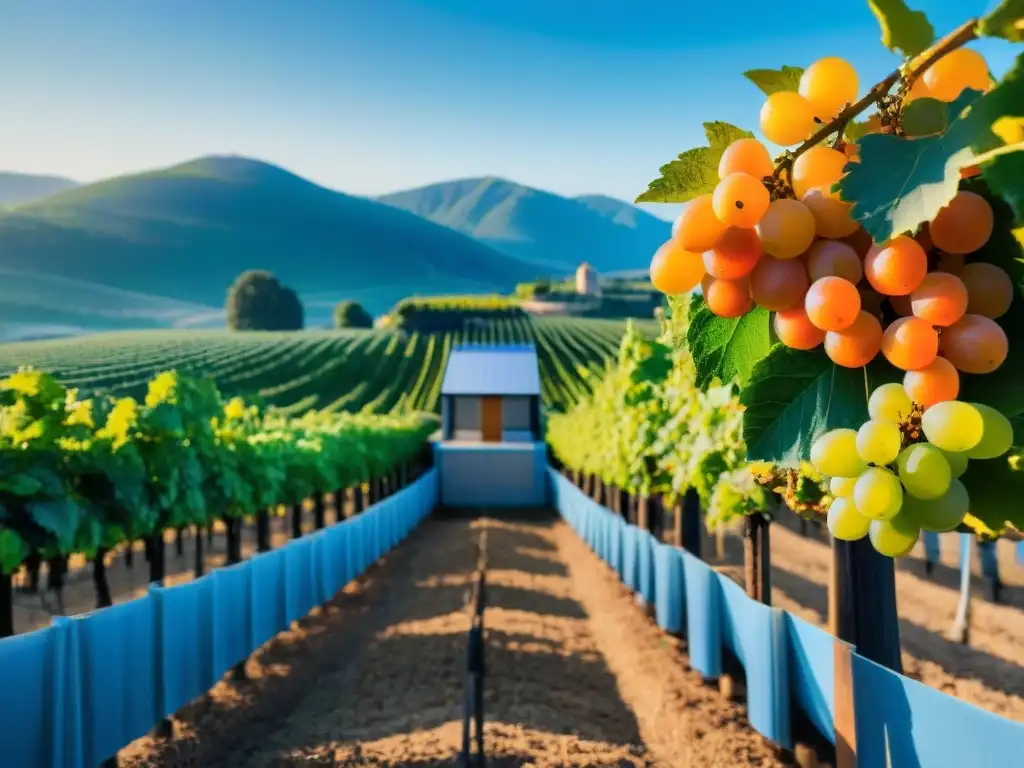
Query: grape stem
[[959, 37]]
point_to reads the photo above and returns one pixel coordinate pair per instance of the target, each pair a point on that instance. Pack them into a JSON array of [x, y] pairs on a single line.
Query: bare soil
[[577, 675], [988, 672]]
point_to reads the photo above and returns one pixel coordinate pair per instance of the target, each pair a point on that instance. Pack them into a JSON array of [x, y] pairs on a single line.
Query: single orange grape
[[856, 345], [832, 303], [975, 344], [940, 299], [910, 343], [819, 166], [787, 118], [675, 270], [964, 225], [735, 254], [989, 289], [795, 330], [832, 217], [949, 76], [829, 84], [699, 229], [746, 156], [778, 284], [740, 200], [728, 298], [897, 267], [919, 90], [935, 383], [786, 229], [834, 257]]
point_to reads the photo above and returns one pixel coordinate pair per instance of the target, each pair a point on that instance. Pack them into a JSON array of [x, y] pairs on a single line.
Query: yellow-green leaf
[[1006, 21], [774, 80], [904, 30], [695, 171]]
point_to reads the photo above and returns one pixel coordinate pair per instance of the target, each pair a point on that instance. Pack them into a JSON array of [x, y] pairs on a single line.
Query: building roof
[[503, 369]]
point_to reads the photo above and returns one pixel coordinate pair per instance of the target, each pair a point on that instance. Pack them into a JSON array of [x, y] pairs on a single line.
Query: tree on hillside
[[257, 301], [350, 314]]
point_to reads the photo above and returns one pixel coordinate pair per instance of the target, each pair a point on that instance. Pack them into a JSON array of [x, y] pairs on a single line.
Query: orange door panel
[[490, 418]]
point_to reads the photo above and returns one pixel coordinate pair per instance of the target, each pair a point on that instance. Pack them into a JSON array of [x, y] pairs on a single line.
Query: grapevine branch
[[959, 37]]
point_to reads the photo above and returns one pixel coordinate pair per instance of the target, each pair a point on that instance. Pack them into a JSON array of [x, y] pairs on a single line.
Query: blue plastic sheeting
[[811, 660], [73, 694], [755, 633], [781, 654], [670, 587], [920, 727], [498, 370]]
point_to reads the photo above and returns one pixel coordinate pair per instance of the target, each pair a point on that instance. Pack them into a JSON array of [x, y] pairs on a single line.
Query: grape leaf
[[13, 550], [994, 486], [924, 117], [1004, 172], [792, 397], [59, 517], [695, 171], [1006, 21], [901, 183], [903, 30], [723, 348], [774, 80]]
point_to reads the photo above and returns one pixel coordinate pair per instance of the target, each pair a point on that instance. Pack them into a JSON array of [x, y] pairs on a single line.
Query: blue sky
[[369, 96]]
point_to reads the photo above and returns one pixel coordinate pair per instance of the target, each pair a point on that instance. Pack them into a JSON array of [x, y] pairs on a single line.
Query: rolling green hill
[[557, 232], [18, 188], [184, 233], [324, 370]]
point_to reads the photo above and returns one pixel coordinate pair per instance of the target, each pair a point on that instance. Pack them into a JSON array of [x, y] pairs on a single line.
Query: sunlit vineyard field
[[346, 370]]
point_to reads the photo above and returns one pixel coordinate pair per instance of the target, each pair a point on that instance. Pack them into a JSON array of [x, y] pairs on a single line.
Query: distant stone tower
[[586, 280]]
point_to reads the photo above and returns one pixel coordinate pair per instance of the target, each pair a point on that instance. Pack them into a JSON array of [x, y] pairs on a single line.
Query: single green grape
[[953, 425], [889, 402], [878, 441], [924, 471], [842, 486], [845, 522], [942, 514], [957, 462], [878, 494], [997, 436], [895, 537], [835, 454]]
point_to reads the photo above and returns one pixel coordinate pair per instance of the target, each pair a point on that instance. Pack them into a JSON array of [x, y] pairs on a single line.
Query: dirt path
[[988, 673], [576, 674]]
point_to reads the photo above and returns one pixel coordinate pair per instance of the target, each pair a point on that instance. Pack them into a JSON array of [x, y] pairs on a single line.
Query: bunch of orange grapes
[[918, 299]]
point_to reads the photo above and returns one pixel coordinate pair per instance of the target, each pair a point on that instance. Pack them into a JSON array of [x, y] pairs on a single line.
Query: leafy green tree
[[350, 314], [258, 301]]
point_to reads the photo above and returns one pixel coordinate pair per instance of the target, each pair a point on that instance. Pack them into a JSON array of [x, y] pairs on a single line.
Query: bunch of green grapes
[[898, 474], [780, 238]]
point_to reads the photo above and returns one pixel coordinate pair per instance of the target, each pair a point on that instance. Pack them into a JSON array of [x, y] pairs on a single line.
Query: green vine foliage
[[78, 475], [789, 397], [649, 429]]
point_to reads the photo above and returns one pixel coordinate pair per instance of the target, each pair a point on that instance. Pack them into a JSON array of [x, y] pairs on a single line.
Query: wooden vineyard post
[[689, 524], [643, 519], [6, 605], [297, 520], [263, 530], [757, 557], [863, 618], [319, 510]]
